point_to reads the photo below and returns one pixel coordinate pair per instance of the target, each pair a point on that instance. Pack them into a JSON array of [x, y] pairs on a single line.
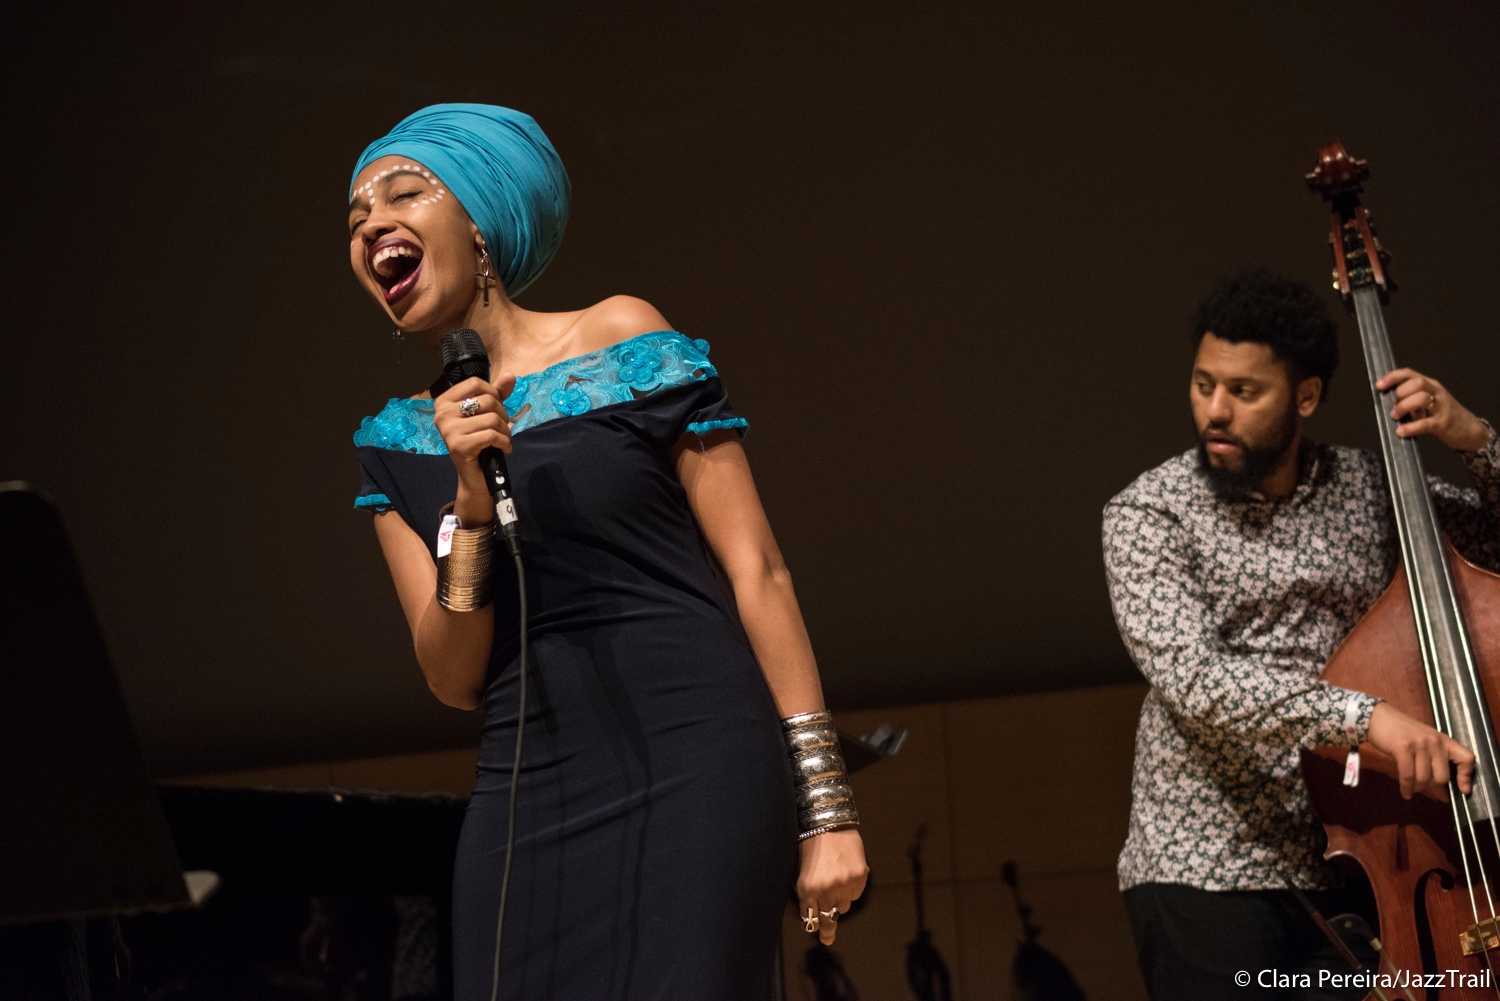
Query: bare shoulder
[[616, 319]]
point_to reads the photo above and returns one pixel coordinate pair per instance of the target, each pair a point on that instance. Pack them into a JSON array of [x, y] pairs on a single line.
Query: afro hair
[[1262, 307]]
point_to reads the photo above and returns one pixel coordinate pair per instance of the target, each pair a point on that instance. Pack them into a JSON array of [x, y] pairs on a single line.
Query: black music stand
[[82, 833]]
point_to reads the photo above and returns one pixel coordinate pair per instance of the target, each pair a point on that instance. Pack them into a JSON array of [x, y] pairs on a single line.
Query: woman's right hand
[[466, 437]]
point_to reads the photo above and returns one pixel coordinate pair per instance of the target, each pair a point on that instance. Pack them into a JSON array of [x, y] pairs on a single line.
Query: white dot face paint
[[368, 190]]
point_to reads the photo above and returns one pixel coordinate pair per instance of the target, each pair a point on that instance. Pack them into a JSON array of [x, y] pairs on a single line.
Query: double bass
[[1430, 646]]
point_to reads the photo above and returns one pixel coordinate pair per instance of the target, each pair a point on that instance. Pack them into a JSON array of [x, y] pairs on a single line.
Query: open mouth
[[395, 265]]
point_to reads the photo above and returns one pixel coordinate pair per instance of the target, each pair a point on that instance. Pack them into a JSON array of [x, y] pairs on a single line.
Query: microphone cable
[[513, 544], [464, 357]]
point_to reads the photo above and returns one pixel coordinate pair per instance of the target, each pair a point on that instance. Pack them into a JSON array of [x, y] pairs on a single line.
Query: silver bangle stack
[[825, 801], [465, 582]]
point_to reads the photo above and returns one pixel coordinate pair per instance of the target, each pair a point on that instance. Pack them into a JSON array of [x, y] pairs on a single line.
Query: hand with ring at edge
[[1430, 409], [814, 919], [471, 417], [833, 876]]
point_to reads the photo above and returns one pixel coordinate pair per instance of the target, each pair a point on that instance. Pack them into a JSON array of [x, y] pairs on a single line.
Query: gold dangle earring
[[485, 276]]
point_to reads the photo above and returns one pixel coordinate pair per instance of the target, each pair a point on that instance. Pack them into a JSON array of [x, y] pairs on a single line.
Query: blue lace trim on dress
[[622, 372], [403, 426], [701, 428], [380, 502]]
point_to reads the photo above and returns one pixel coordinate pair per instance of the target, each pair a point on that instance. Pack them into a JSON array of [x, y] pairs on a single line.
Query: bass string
[[1463, 822], [1487, 956], [1472, 721], [1435, 688], [1442, 717], [1473, 713], [1377, 352], [1480, 725], [1378, 358], [1437, 694]]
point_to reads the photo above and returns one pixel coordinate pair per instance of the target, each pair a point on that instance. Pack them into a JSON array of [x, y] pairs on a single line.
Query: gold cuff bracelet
[[825, 800], [465, 581]]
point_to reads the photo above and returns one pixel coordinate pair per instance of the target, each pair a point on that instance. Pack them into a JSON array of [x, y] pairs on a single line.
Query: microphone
[[464, 357]]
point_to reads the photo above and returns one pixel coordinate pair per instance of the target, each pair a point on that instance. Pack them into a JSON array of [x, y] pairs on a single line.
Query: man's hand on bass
[[1422, 753]]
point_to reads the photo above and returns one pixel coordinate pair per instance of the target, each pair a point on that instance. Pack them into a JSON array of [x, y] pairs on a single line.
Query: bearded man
[[1235, 569]]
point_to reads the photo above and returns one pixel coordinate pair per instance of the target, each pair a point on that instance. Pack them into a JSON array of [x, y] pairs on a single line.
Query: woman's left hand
[[833, 875], [1433, 410]]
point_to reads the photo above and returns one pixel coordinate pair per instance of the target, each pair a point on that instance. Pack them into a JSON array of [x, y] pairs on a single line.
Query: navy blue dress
[[656, 827]]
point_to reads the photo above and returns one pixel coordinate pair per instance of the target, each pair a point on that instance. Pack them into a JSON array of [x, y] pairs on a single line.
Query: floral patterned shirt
[[1230, 609]]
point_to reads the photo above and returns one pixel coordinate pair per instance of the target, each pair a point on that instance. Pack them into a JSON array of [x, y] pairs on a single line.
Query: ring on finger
[[832, 916], [469, 407], [810, 920]]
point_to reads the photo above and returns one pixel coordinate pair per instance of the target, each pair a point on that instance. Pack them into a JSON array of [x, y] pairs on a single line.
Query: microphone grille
[[461, 343], [464, 356]]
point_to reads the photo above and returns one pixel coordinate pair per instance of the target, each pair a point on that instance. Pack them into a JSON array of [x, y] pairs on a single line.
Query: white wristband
[[1351, 717], [445, 534], [1351, 724]]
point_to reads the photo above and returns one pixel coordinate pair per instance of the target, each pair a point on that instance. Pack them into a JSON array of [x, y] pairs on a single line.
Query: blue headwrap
[[503, 170]]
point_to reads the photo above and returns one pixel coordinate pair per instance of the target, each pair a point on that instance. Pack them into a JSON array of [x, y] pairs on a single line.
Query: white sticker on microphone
[[505, 510], [445, 535]]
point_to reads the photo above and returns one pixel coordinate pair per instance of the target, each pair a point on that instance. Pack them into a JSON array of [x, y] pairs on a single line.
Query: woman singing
[[677, 758]]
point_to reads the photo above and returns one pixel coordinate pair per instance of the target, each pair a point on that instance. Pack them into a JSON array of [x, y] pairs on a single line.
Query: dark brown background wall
[[945, 255]]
